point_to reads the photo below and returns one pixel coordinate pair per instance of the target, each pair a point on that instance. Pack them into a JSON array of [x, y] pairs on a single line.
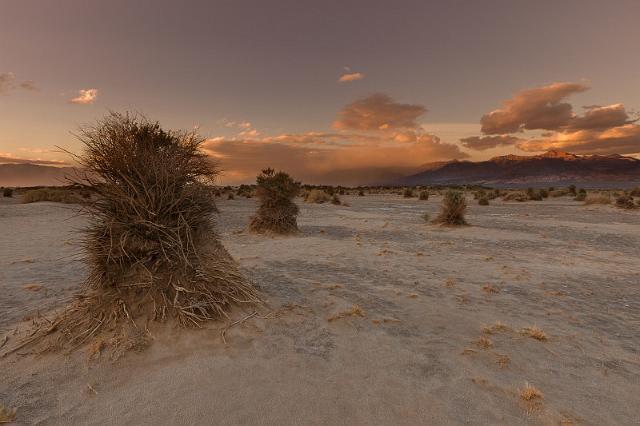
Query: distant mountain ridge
[[33, 175], [553, 167]]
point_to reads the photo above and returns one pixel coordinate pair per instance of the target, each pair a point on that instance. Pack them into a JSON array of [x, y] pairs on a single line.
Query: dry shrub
[[597, 199], [529, 393], [484, 342], [625, 202], [335, 200], [7, 415], [453, 209], [407, 193], [582, 195], [152, 251], [355, 311], [532, 397], [534, 332], [277, 212], [424, 195], [515, 196], [317, 196], [56, 195], [7, 192], [484, 201]]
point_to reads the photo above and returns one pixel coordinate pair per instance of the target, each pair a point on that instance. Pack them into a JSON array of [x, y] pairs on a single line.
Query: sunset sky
[[332, 91]]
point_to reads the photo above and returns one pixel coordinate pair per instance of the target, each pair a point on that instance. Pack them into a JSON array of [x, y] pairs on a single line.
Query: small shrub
[[635, 192], [230, 196], [407, 193], [424, 195], [317, 196], [453, 209], [336, 200], [572, 190], [534, 195], [558, 193], [277, 211], [625, 202], [484, 201], [361, 193], [55, 195], [544, 193], [597, 199], [7, 192], [582, 195], [515, 196]]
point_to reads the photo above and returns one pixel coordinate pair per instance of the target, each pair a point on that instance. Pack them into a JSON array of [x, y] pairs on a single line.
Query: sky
[[331, 91]]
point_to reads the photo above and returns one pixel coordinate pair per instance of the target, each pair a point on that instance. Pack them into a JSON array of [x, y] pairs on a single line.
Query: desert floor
[[419, 354]]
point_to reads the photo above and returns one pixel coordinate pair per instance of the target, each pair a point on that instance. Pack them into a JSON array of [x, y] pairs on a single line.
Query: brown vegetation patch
[[453, 209], [355, 311], [534, 332], [7, 415], [277, 213], [152, 251]]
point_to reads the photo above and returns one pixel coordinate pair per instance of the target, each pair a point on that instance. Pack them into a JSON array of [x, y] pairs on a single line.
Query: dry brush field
[[529, 315]]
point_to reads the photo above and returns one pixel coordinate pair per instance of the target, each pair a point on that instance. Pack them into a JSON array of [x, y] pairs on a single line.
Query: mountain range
[[551, 168]]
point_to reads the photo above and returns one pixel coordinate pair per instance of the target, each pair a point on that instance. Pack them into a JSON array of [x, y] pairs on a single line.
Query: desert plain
[[371, 316]]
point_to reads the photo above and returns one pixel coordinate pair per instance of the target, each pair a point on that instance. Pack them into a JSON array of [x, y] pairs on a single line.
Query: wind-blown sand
[[415, 356]]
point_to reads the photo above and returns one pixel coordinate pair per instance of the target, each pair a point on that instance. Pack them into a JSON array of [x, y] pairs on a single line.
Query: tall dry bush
[[454, 207], [277, 212], [152, 251]]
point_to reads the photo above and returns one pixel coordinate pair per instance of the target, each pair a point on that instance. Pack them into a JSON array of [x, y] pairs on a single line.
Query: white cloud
[[85, 97], [350, 76]]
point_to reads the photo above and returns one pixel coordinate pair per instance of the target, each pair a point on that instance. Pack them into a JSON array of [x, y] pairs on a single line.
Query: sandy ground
[[416, 356]]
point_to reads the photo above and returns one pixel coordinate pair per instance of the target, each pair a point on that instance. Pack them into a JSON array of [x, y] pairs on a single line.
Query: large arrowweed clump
[[152, 251], [454, 206], [277, 213]]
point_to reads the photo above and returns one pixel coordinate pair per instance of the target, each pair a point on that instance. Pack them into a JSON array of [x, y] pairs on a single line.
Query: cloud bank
[[377, 139], [605, 129]]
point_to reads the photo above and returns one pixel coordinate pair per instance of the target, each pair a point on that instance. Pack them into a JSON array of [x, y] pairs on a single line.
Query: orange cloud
[[533, 109], [317, 157], [616, 140], [348, 77], [85, 97], [378, 112], [601, 117], [481, 143]]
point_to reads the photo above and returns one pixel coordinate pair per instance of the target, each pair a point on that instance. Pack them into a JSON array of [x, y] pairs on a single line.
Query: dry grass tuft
[[423, 195], [355, 311], [317, 196], [503, 360], [32, 287], [277, 212], [7, 415], [453, 209], [151, 248], [484, 343], [534, 332], [488, 288], [55, 195], [597, 199], [450, 283], [497, 327], [529, 392]]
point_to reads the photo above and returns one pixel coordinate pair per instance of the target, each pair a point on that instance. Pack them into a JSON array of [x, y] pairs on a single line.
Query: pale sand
[[573, 271]]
